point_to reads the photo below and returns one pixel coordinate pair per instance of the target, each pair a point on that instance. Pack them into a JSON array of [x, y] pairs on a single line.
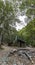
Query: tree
[[31, 32], [28, 33], [29, 6], [6, 17]]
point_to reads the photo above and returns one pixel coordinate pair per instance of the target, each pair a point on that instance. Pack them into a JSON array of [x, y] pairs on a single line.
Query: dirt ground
[[16, 59]]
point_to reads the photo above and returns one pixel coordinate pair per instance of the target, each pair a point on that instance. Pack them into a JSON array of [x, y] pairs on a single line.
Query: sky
[[22, 24]]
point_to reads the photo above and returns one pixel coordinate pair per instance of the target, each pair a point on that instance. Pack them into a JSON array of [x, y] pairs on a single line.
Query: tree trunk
[[0, 41]]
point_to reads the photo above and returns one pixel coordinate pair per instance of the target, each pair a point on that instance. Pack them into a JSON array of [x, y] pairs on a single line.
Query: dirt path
[[16, 58]]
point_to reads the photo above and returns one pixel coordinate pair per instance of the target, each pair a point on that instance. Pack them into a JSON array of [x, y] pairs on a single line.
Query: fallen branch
[[29, 58]]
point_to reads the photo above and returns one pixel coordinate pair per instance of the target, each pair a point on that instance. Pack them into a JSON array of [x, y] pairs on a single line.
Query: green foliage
[[28, 33], [9, 37], [30, 12], [29, 5], [22, 6], [6, 18], [8, 12]]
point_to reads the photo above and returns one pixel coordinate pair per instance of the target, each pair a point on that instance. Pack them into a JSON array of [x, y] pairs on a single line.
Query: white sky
[[22, 24]]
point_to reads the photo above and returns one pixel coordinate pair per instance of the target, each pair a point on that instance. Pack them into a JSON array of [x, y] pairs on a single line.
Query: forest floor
[[16, 56]]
